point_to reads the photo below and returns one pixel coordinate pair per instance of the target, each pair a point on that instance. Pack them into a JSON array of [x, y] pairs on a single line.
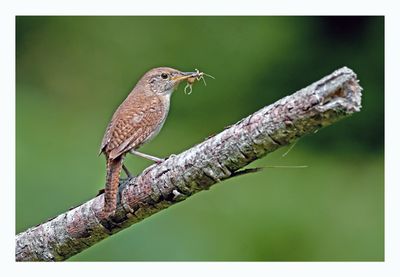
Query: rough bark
[[217, 158]]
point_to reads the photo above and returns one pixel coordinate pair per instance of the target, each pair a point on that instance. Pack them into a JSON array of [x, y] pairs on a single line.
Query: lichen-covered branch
[[216, 159]]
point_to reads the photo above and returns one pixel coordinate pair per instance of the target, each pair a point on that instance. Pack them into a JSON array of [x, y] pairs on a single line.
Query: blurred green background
[[72, 73]]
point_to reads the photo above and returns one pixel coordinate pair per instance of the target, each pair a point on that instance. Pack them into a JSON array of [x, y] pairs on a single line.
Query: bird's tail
[[114, 167]]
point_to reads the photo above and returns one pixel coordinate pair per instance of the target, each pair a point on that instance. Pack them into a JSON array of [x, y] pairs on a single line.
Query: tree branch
[[218, 158]]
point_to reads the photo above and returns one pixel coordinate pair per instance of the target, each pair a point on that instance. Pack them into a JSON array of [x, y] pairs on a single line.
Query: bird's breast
[[165, 102]]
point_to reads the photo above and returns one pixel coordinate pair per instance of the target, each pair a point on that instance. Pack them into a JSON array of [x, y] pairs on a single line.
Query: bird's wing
[[133, 126], [106, 137]]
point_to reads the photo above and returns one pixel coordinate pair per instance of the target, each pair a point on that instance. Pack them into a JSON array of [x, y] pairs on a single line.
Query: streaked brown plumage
[[136, 121]]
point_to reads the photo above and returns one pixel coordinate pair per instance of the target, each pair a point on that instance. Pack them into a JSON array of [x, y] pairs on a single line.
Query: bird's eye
[[164, 75]]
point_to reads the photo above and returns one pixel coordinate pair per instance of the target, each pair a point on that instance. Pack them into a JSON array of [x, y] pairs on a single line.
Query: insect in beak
[[191, 77]]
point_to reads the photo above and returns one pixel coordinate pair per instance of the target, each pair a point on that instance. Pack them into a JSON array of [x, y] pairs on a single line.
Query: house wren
[[136, 121]]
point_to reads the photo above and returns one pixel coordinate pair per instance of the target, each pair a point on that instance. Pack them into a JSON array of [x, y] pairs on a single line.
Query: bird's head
[[164, 80]]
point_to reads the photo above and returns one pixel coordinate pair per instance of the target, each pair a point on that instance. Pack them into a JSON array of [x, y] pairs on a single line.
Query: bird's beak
[[186, 75]]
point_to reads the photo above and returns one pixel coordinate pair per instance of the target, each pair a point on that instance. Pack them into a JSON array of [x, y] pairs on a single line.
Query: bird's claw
[[149, 168], [159, 161], [170, 156]]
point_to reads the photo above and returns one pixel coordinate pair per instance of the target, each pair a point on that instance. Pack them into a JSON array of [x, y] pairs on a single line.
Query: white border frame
[[8, 11]]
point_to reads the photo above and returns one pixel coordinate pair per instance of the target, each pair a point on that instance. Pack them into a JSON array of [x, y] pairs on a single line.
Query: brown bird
[[136, 121]]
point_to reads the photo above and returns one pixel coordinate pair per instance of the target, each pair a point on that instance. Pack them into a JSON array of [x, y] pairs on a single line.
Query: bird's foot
[[158, 160], [149, 168], [124, 180], [170, 156]]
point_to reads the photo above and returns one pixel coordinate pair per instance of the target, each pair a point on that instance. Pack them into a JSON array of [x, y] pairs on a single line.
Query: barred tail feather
[[114, 167]]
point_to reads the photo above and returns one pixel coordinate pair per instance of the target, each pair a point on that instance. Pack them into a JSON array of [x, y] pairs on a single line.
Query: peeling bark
[[216, 159]]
